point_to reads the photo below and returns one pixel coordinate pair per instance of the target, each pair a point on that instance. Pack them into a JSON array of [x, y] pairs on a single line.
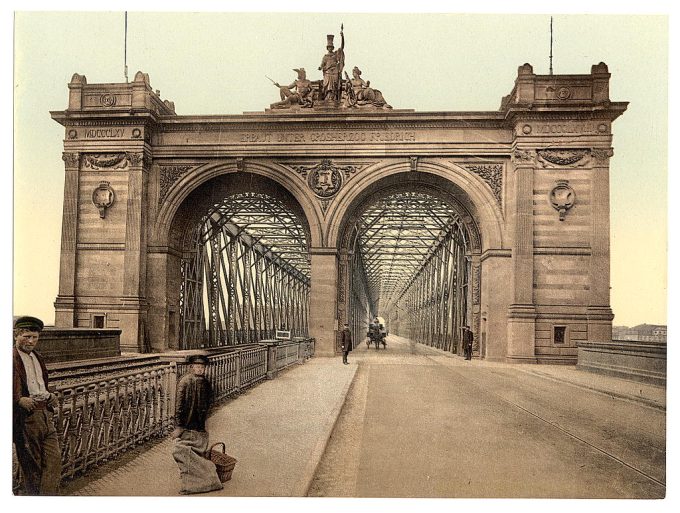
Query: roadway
[[419, 423], [412, 421]]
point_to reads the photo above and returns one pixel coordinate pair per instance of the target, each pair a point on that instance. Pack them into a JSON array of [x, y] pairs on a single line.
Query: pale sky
[[215, 63]]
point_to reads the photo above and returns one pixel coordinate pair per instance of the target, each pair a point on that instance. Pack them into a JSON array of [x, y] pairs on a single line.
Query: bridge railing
[[98, 419], [230, 372], [283, 354]]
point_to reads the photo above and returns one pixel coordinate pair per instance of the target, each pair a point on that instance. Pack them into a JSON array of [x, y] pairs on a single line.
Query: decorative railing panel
[[253, 365], [230, 372], [307, 348], [287, 355], [97, 420]]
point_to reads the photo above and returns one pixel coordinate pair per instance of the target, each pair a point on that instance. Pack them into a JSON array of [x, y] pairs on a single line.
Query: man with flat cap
[[194, 395], [34, 434]]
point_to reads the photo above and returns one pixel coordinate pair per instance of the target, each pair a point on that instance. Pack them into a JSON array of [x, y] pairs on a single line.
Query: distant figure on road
[[33, 433], [467, 342], [346, 335], [194, 395], [377, 333]]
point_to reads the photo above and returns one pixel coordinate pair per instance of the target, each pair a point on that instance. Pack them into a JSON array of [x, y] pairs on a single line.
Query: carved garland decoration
[[97, 161], [563, 157], [492, 174]]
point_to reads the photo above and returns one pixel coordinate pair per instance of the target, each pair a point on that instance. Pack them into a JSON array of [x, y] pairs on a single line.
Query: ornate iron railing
[[253, 365], [97, 420], [307, 346], [230, 372], [287, 354]]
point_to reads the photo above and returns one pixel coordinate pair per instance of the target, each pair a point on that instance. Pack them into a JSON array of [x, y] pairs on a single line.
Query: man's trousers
[[39, 455]]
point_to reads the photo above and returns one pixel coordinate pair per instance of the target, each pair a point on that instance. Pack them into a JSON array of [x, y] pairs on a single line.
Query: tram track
[[551, 423]]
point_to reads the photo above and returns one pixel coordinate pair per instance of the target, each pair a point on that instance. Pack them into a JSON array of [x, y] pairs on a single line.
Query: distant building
[[641, 333]]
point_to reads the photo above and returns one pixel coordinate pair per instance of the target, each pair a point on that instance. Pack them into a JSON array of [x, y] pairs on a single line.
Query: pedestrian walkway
[[645, 393], [277, 431]]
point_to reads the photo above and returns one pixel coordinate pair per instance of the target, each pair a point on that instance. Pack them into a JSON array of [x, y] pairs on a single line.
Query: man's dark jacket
[[347, 339], [20, 389], [194, 394]]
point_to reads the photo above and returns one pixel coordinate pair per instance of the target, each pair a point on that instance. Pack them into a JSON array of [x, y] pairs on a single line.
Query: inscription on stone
[[104, 133], [566, 128], [330, 136]]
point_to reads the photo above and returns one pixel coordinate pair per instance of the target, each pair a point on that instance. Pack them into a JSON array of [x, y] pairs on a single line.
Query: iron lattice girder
[[248, 275], [265, 225], [398, 235]]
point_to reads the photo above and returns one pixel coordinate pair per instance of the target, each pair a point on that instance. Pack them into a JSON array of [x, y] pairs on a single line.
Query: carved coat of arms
[[325, 179]]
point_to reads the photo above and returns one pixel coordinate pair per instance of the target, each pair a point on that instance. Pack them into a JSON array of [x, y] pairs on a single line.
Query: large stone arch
[[188, 183], [466, 194], [468, 189], [188, 200]]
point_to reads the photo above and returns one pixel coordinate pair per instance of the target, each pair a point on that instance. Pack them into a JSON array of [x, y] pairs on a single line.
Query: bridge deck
[[417, 422]]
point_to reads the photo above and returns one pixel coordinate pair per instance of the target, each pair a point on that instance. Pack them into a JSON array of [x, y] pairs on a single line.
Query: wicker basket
[[223, 462]]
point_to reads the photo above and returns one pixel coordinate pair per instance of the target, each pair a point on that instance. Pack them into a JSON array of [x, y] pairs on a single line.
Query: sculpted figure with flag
[[332, 65]]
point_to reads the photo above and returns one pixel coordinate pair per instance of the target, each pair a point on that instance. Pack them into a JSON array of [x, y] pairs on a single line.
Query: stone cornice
[[219, 125], [135, 121], [107, 118], [533, 112]]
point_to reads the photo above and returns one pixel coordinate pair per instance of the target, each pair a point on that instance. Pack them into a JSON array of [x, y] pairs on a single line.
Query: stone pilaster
[[522, 312], [323, 323], [134, 304], [65, 303], [599, 311]]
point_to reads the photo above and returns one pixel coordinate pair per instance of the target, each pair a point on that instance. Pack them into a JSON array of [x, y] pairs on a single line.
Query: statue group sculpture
[[361, 93], [332, 65], [332, 91], [302, 95]]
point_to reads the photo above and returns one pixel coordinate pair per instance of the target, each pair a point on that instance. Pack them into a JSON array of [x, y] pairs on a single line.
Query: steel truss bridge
[[248, 274]]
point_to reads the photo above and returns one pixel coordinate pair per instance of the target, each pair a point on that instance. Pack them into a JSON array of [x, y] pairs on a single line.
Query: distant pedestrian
[[346, 335], [467, 342], [194, 395], [34, 435]]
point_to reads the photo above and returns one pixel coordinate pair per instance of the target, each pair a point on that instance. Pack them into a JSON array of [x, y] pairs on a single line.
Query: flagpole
[[126, 68], [551, 45]]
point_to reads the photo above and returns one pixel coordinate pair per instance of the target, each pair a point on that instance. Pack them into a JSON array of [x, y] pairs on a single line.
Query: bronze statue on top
[[333, 91], [361, 93], [302, 95], [332, 65]]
